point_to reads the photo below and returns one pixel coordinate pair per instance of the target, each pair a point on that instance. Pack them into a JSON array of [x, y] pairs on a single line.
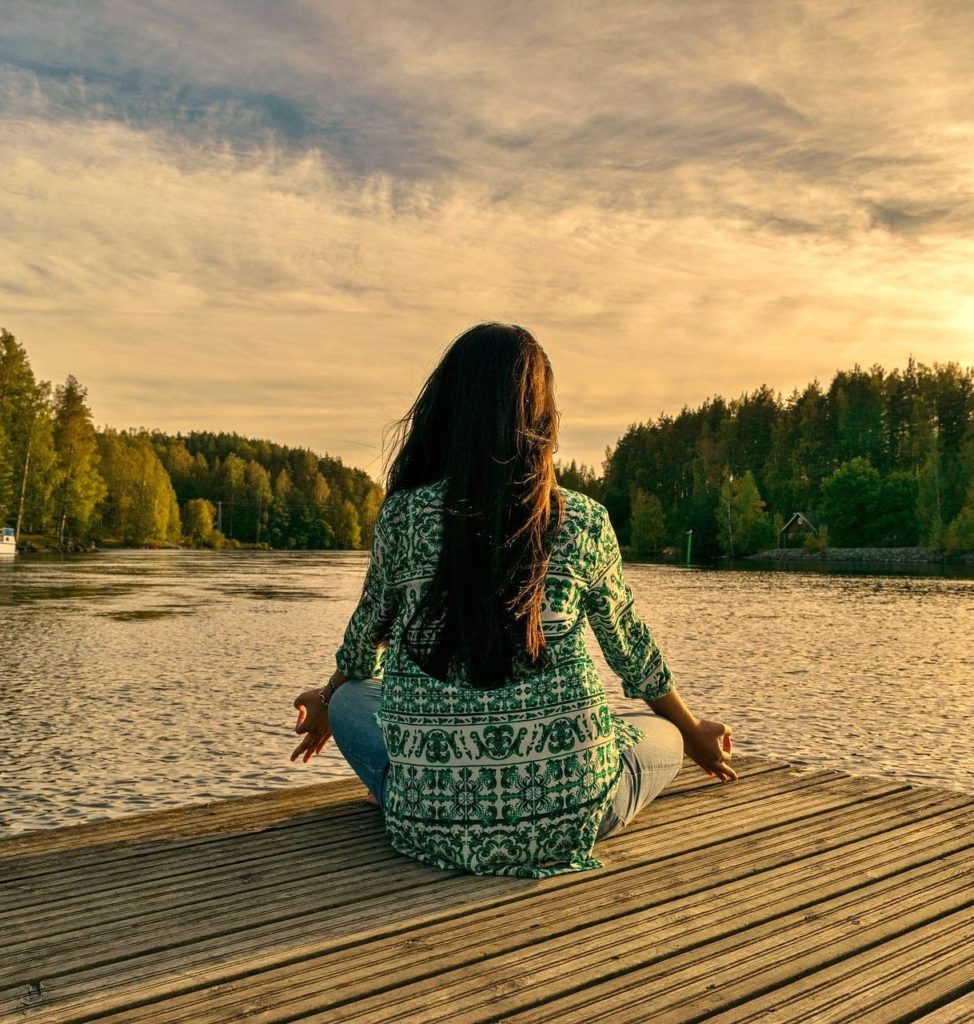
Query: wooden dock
[[793, 895]]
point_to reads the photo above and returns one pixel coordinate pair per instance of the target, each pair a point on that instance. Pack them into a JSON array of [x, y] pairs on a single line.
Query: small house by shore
[[796, 530]]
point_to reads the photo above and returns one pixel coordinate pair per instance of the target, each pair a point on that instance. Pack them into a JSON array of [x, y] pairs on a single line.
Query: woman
[[465, 697]]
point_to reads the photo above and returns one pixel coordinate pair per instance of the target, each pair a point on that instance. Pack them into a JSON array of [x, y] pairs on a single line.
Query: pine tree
[[7, 505], [742, 517], [930, 512], [279, 517], [257, 486], [648, 526], [25, 414], [80, 486], [232, 487]]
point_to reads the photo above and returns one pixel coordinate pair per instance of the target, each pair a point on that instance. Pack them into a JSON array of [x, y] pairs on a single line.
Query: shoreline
[[35, 546], [828, 559], [863, 556], [903, 557]]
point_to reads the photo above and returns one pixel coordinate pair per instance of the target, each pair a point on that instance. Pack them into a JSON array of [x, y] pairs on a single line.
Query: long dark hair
[[485, 422]]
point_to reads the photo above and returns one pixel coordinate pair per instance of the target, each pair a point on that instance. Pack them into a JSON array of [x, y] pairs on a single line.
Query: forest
[[875, 459], [70, 484]]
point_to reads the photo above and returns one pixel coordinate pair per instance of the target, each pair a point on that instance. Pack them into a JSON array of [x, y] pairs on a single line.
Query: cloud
[[272, 219], [897, 219]]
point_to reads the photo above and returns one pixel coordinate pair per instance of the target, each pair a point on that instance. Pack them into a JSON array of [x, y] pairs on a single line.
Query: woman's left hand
[[313, 722], [709, 744]]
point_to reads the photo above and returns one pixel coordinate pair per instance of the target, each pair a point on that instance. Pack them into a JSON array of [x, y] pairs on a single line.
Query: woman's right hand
[[313, 722], [709, 744]]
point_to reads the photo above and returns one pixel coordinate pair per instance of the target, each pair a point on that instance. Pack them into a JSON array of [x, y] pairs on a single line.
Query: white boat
[[8, 543]]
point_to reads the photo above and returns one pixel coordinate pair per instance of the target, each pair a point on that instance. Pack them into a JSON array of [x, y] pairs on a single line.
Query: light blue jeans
[[647, 767]]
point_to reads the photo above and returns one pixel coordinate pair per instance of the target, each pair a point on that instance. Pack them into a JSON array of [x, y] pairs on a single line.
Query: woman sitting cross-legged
[[465, 698]]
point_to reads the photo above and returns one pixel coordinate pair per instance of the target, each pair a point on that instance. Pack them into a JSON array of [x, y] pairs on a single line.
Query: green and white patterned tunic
[[513, 781]]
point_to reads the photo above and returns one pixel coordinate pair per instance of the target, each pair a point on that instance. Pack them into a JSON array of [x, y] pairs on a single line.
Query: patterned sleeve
[[625, 639], [363, 649]]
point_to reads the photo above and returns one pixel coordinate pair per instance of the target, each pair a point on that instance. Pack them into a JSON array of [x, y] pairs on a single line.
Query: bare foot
[[370, 798]]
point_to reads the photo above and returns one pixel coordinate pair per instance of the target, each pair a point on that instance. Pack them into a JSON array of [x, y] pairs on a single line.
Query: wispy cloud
[[272, 218]]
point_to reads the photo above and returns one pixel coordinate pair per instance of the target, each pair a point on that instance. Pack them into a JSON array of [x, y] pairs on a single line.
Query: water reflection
[[136, 680]]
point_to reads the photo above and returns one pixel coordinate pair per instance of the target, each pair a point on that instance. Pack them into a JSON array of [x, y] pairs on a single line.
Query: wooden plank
[[159, 862], [172, 871], [99, 939], [692, 803], [738, 968], [91, 883], [959, 1010], [335, 825], [894, 981], [426, 954], [718, 857], [212, 820], [160, 919], [262, 810], [749, 766], [46, 949], [67, 849], [164, 971], [586, 960]]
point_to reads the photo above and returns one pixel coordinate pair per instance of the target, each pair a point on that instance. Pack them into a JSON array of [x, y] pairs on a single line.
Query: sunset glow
[[272, 218]]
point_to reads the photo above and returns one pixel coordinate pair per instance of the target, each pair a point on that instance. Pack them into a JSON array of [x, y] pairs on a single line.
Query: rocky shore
[[863, 556], [38, 545]]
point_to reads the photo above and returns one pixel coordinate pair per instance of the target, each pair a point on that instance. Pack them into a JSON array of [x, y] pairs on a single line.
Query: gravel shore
[[870, 556]]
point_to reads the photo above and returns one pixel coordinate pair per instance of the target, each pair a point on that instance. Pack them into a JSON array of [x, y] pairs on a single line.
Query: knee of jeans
[[352, 707], [665, 741], [675, 747], [338, 709]]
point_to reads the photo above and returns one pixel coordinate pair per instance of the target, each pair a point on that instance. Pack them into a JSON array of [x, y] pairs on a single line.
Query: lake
[[138, 680]]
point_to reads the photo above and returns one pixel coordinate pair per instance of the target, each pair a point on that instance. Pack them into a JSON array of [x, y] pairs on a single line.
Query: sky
[[273, 217]]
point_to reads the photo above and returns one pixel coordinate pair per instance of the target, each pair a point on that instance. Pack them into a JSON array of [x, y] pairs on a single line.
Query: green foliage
[[26, 417], [864, 509], [140, 504], [742, 517], [269, 493], [960, 533], [198, 518], [648, 531], [817, 541], [929, 506], [80, 486], [58, 475], [856, 407], [580, 478], [232, 488], [6, 478], [913, 430], [257, 488], [915, 427], [851, 498], [895, 523]]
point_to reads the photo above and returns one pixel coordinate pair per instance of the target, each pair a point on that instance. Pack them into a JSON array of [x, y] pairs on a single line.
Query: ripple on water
[[146, 614], [273, 593]]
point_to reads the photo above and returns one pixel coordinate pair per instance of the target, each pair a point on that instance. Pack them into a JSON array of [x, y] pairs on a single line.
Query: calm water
[[139, 680]]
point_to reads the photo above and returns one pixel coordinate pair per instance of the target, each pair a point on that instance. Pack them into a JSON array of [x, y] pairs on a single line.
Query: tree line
[[62, 478], [874, 459]]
